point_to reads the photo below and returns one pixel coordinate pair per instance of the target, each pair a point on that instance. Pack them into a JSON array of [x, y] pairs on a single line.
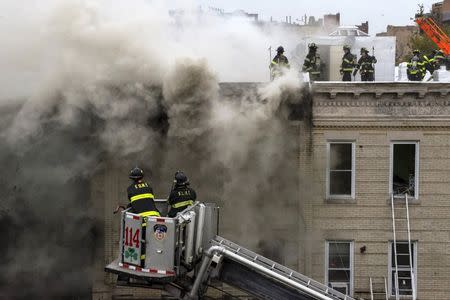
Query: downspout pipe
[[221, 250]]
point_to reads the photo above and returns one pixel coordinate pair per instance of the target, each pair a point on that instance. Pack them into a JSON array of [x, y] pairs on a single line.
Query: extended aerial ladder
[[182, 255], [433, 31]]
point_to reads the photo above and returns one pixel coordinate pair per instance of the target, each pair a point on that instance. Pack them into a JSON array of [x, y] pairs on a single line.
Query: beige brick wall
[[368, 220]]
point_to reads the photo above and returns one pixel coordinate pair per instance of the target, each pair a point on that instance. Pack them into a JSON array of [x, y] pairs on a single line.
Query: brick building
[[361, 143], [364, 138], [403, 35]]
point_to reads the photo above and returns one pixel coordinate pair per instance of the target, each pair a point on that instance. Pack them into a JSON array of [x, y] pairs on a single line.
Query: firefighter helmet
[[136, 173], [416, 51], [364, 50], [346, 47], [312, 46], [181, 178], [280, 49]]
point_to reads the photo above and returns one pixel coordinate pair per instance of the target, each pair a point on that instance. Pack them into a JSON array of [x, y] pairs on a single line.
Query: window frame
[[353, 170], [327, 257], [390, 268], [416, 167]]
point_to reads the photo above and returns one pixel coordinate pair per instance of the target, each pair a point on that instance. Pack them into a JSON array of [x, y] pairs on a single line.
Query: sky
[[379, 13]]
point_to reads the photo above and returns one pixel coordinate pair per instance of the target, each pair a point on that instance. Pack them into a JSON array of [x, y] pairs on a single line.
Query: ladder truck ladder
[[396, 283], [279, 274], [434, 32]]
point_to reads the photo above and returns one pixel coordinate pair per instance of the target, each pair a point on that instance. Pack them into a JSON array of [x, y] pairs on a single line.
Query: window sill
[[340, 200]]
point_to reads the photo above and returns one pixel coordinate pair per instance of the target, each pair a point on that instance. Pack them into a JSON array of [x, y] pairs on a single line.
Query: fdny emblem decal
[[160, 231]]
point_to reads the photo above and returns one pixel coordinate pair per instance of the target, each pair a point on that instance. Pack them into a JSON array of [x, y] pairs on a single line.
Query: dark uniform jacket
[[141, 199], [277, 65], [417, 66], [348, 62], [312, 63], [180, 198], [365, 64]]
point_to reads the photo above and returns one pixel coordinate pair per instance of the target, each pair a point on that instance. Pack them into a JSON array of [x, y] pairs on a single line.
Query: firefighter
[[416, 67], [348, 63], [181, 195], [140, 194], [366, 66], [312, 63], [279, 64], [438, 59]]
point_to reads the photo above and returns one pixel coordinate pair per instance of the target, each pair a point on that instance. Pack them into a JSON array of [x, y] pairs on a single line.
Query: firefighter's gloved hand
[[118, 208]]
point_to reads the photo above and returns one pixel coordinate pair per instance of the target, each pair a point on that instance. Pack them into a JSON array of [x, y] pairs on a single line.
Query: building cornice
[[377, 90]]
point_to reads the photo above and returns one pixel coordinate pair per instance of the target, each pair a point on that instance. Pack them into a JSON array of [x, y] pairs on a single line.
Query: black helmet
[[136, 173], [312, 46], [364, 50], [180, 178], [280, 49], [346, 47], [416, 51]]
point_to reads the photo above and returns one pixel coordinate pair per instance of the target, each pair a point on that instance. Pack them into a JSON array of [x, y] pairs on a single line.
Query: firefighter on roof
[[366, 66], [348, 63], [279, 64], [181, 195], [140, 194], [416, 67], [312, 63]]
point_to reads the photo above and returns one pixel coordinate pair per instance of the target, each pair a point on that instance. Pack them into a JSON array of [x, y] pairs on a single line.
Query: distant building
[[440, 11], [436, 11], [241, 13], [446, 12], [403, 35], [364, 27], [331, 21]]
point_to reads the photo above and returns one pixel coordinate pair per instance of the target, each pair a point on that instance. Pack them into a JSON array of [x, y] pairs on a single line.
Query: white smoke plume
[[89, 82]]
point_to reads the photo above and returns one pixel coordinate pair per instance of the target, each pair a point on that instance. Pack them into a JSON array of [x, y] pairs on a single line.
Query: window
[[339, 265], [340, 170], [403, 266], [404, 169]]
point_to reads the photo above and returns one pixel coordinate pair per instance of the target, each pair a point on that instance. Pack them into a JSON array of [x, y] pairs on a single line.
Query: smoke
[[93, 83]]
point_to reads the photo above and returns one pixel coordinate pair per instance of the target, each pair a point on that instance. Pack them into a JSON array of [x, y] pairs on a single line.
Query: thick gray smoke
[[88, 83]]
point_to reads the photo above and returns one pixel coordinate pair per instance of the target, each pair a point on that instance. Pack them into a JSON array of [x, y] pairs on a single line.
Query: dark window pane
[[402, 254], [404, 166], [339, 255], [403, 260], [339, 276], [343, 290], [403, 248], [337, 261], [340, 156], [340, 183], [404, 283]]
